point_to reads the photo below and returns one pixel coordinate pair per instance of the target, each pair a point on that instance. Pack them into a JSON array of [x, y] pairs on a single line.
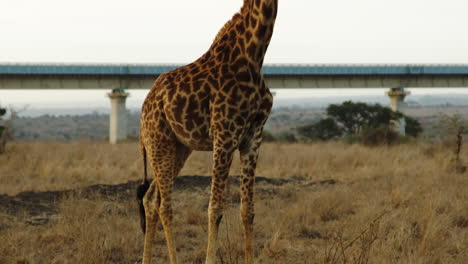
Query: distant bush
[[454, 128], [413, 127], [376, 136], [268, 136], [286, 137]]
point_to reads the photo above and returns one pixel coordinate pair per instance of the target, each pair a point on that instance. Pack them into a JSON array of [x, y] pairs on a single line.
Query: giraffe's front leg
[[247, 203], [222, 159], [248, 159]]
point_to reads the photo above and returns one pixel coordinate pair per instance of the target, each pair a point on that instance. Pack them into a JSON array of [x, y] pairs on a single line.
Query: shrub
[[268, 136], [377, 136], [413, 127], [454, 127], [286, 137]]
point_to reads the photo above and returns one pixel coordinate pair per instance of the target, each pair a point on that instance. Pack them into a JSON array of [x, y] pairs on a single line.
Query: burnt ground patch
[[46, 203]]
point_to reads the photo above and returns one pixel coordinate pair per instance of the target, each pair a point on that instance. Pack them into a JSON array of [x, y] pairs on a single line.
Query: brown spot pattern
[[219, 102]]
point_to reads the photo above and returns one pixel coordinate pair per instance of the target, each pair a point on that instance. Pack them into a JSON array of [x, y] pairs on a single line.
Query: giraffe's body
[[219, 102]]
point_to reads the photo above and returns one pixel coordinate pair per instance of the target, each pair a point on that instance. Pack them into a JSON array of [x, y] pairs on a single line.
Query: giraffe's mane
[[228, 25]]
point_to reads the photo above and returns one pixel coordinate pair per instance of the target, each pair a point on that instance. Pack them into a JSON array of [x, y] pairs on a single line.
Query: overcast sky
[[179, 31]]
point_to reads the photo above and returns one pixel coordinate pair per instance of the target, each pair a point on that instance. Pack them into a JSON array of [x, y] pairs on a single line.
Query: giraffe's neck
[[259, 19], [247, 33]]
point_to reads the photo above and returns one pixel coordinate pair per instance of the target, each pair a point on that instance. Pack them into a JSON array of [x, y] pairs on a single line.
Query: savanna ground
[[315, 203]]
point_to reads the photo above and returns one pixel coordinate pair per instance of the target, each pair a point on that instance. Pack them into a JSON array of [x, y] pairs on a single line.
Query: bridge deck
[[139, 76], [280, 69]]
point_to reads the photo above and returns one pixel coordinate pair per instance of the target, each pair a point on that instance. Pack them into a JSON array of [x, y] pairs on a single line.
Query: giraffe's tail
[[143, 153], [142, 189]]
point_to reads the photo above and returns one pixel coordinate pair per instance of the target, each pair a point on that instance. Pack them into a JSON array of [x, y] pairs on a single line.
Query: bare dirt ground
[[36, 204], [315, 203]]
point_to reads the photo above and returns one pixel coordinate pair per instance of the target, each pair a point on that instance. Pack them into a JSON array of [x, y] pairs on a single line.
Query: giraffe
[[218, 103]]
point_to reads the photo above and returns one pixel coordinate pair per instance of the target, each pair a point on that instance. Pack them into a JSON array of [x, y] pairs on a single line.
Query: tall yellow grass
[[40, 166], [420, 198]]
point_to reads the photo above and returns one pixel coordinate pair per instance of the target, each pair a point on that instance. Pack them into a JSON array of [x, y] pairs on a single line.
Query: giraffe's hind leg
[[151, 202], [166, 159]]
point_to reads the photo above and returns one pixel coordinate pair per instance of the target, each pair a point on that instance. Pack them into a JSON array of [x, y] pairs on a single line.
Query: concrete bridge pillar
[[397, 103], [118, 115]]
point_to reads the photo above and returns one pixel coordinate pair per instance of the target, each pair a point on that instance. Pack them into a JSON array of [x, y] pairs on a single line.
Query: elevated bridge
[[139, 76], [120, 77]]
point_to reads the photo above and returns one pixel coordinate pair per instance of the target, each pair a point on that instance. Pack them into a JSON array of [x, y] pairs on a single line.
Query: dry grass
[[402, 204]]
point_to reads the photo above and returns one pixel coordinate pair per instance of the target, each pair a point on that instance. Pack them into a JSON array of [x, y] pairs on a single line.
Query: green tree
[[359, 121], [353, 117]]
